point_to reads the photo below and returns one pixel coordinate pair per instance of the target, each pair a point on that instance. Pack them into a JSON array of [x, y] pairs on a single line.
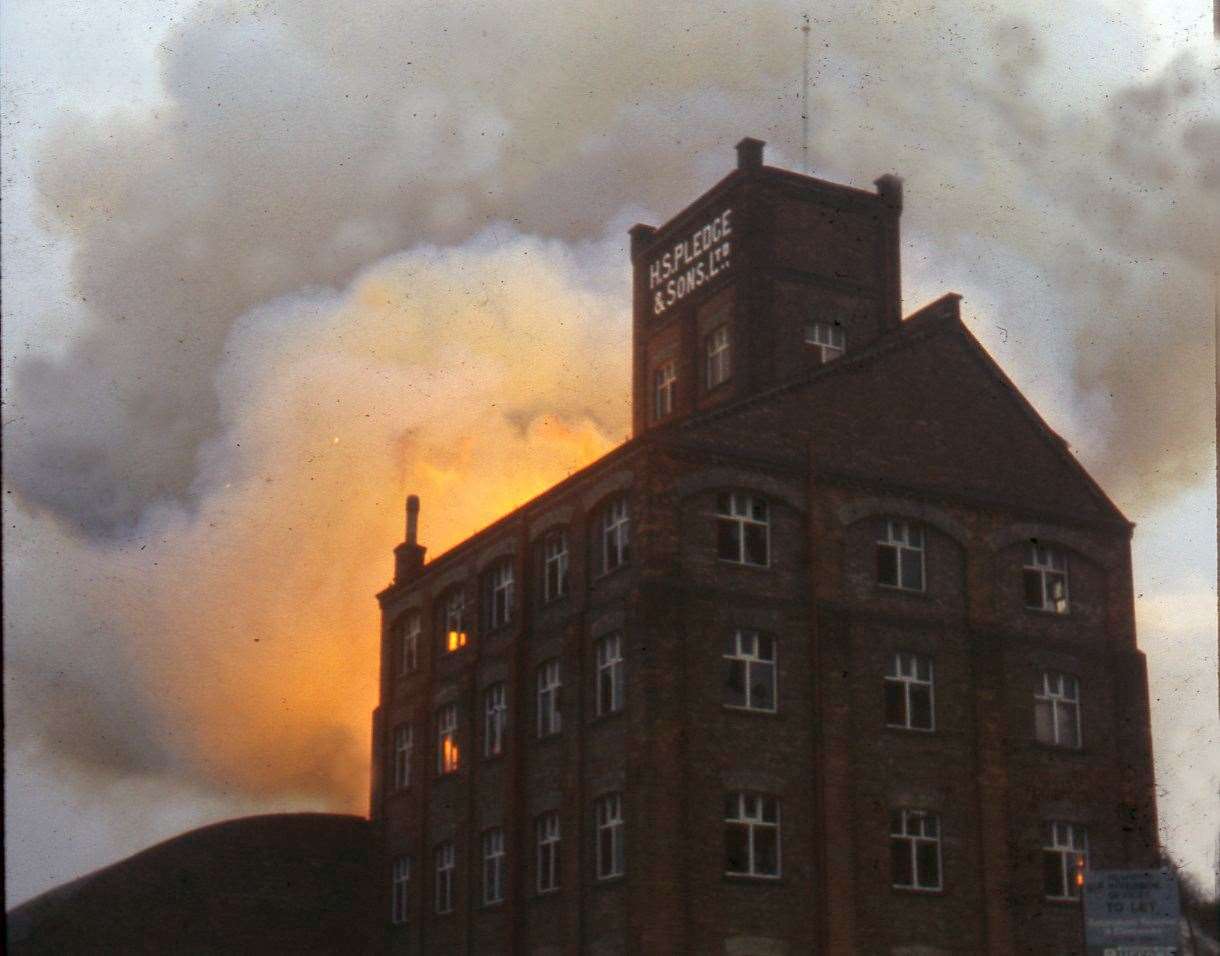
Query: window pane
[[756, 544], [895, 704], [928, 861], [735, 684], [1044, 728], [1033, 588], [921, 707], [887, 565], [766, 851], [900, 861], [1052, 874], [727, 546], [762, 691], [765, 645], [912, 570], [1069, 734], [736, 847]]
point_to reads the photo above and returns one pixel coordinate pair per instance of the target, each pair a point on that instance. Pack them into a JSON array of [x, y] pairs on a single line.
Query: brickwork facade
[[788, 692]]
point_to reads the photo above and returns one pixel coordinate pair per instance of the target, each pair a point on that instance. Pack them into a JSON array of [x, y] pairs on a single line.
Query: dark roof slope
[[298, 883]]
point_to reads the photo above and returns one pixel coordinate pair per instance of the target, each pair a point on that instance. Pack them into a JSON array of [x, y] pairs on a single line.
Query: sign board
[[1131, 913], [689, 263]]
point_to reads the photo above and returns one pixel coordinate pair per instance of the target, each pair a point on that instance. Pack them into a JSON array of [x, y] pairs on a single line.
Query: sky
[[270, 266]]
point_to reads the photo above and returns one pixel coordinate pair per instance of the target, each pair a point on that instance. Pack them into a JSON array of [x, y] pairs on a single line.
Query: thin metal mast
[[805, 99]]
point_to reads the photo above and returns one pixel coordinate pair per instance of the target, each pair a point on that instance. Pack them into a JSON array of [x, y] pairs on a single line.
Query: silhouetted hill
[[296, 883]]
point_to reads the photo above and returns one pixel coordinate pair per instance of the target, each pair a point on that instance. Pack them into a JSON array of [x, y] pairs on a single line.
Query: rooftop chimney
[[409, 556], [750, 153], [412, 518]]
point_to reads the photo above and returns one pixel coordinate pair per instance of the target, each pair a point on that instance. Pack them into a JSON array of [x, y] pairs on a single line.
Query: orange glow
[[451, 757], [457, 639]]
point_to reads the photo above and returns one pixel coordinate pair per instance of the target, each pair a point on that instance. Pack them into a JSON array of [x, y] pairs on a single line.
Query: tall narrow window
[[610, 674], [900, 556], [750, 671], [455, 621], [665, 383], [751, 835], [1046, 579], [1057, 710], [550, 719], [408, 643], [610, 857], [404, 744], [908, 692], [448, 756], [555, 566], [1065, 855], [827, 338], [400, 890], [915, 849], [743, 528], [494, 866], [499, 594], [495, 715], [446, 863], [718, 358], [616, 539], [547, 829]]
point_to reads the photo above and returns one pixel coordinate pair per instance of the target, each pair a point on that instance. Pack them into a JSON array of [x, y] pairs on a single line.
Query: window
[[750, 676], [455, 621], [408, 644], [751, 835], [495, 714], [446, 863], [404, 744], [827, 338], [1065, 853], [554, 566], [548, 852], [1046, 579], [610, 861], [499, 594], [494, 866], [616, 544], [718, 368], [742, 529], [610, 675], [915, 849], [400, 887], [900, 556], [448, 756], [550, 720], [908, 692], [1057, 710], [665, 380]]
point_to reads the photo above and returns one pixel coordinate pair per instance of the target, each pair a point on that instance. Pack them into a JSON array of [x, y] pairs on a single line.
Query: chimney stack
[[412, 518], [409, 556], [750, 153]]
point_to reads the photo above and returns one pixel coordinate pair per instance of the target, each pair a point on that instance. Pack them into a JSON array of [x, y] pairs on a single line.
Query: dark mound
[[296, 883]]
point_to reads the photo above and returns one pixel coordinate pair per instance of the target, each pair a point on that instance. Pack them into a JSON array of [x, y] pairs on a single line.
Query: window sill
[[548, 603], [491, 907], [753, 879], [1044, 747], [743, 564], [603, 575], [899, 730], [547, 894], [919, 890], [489, 759], [899, 589], [598, 719], [754, 711], [616, 880], [1049, 612]]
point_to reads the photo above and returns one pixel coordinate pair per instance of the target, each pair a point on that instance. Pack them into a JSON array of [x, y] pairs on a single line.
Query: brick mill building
[[835, 655]]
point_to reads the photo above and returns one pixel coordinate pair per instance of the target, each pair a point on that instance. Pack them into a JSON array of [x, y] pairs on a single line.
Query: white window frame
[[500, 587], [664, 385], [718, 356], [616, 535], [455, 635], [554, 560], [828, 337], [404, 747], [400, 890], [1070, 842], [746, 651], [749, 811], [610, 674], [446, 865], [1059, 695], [495, 865], [905, 667], [495, 717], [611, 859], [549, 840], [408, 643], [738, 509], [448, 751], [900, 535], [1049, 564], [550, 689], [913, 829]]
